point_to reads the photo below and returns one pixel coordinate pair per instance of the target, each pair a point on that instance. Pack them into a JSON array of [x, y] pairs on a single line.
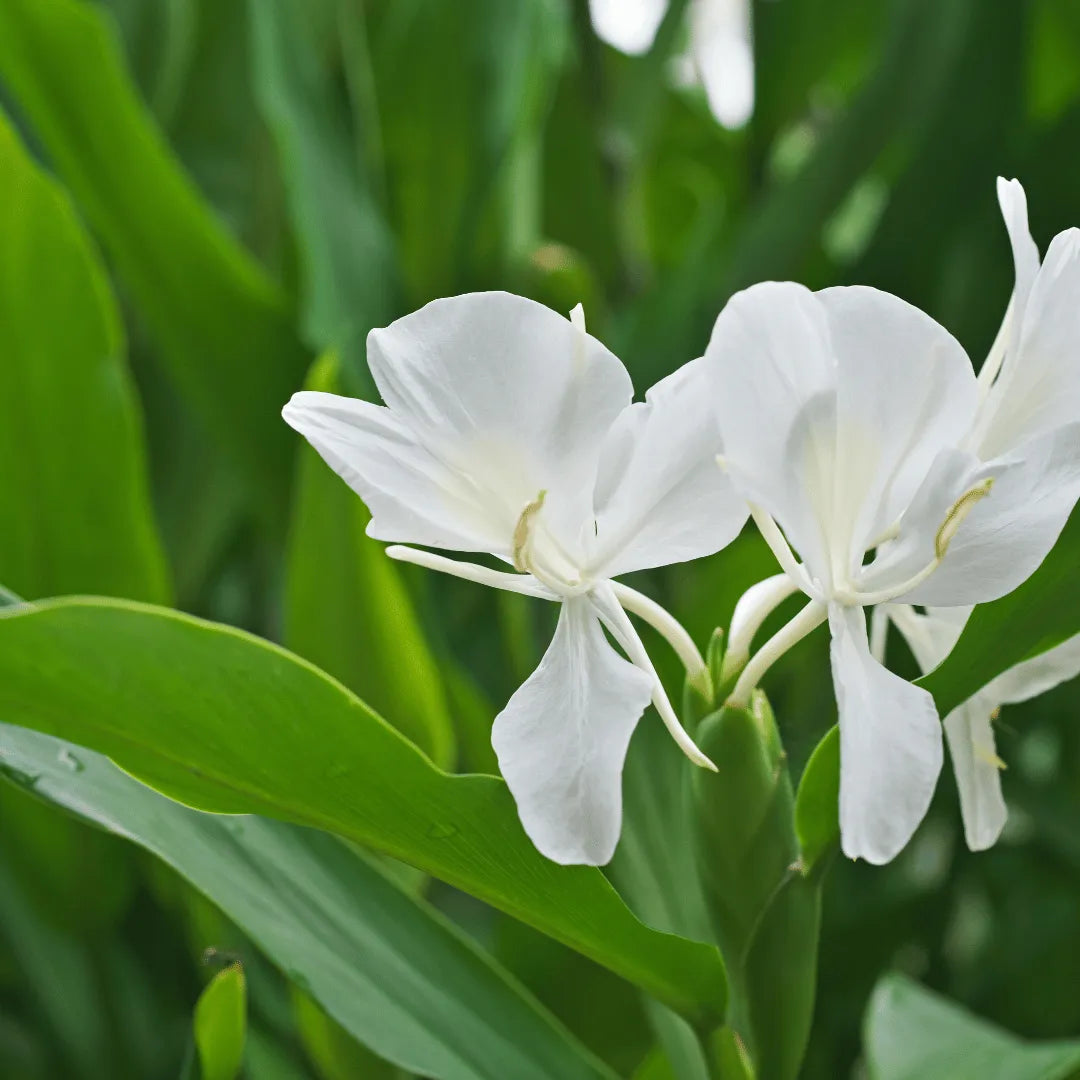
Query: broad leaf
[[346, 606], [914, 1034], [229, 723], [74, 505], [387, 967], [222, 326]]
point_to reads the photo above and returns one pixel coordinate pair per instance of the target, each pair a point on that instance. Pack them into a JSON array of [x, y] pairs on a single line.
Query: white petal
[[1007, 534], [1033, 677], [660, 496], [1014, 210], [931, 637], [511, 395], [832, 407], [627, 25], [774, 386], [906, 390], [890, 745], [561, 740], [724, 57], [1039, 385], [412, 495], [978, 777]]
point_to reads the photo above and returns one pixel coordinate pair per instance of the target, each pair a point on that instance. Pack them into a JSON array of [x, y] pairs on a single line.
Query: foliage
[[207, 204]]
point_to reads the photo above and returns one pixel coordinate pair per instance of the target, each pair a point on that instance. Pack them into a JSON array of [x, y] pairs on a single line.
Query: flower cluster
[[849, 425]]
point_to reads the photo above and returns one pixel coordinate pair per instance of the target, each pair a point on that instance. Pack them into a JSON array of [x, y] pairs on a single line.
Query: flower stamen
[[957, 512]]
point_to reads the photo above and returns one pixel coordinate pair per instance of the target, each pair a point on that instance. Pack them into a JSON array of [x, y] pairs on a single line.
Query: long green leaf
[[913, 1034], [229, 723], [345, 247], [222, 326], [346, 607], [74, 504], [386, 966]]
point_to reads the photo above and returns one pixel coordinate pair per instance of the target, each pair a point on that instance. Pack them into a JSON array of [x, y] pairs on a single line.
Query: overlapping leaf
[[229, 723]]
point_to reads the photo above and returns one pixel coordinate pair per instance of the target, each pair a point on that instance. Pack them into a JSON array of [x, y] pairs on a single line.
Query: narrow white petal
[[661, 497], [622, 630], [561, 740], [525, 584], [1039, 385], [890, 745], [412, 494], [1036, 676], [627, 25], [1014, 211], [978, 775], [514, 397]]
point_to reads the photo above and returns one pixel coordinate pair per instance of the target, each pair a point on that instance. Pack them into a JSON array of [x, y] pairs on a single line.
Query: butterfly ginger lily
[[509, 430]]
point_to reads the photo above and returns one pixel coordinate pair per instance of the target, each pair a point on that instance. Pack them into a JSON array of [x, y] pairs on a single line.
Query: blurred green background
[[349, 160]]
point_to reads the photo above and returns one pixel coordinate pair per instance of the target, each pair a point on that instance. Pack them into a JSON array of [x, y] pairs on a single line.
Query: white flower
[[852, 423], [969, 727], [721, 56], [509, 430]]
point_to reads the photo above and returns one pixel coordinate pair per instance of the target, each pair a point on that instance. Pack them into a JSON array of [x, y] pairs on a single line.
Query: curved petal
[[1039, 385], [890, 745], [627, 25], [412, 495], [832, 407], [970, 736], [511, 395], [661, 497], [1007, 534], [774, 387], [1014, 211], [906, 390], [561, 740]]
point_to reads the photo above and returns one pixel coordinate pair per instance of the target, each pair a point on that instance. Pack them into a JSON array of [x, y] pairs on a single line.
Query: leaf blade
[[85, 670]]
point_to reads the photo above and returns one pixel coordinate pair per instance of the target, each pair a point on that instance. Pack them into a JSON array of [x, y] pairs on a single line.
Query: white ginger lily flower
[[509, 430], [969, 727], [851, 423], [720, 56]]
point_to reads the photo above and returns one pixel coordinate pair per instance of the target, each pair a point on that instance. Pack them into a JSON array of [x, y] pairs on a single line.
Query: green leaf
[[345, 248], [57, 973], [230, 723], [1040, 614], [221, 1024], [780, 977], [463, 88], [914, 1034], [387, 967], [817, 802], [223, 328], [335, 1054], [74, 504], [347, 609]]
